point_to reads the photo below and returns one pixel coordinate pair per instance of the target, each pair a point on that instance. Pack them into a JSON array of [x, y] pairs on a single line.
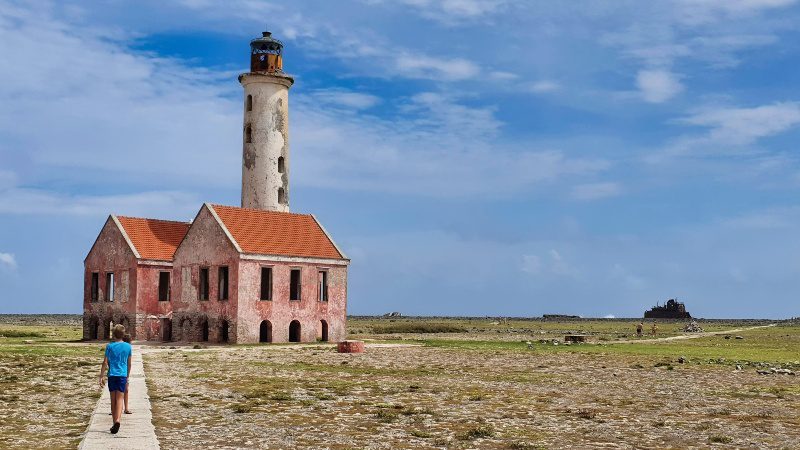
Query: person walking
[[118, 362], [127, 339]]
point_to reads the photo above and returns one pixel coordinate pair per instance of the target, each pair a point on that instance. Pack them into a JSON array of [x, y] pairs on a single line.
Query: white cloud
[[609, 316], [341, 98], [595, 191], [8, 261], [657, 85], [503, 76], [531, 264], [455, 11], [448, 69], [745, 125], [160, 204], [543, 86]]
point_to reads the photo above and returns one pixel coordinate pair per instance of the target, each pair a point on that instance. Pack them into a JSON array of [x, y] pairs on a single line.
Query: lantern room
[[266, 54]]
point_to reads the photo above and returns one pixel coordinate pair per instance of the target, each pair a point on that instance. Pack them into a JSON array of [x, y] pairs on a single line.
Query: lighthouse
[[265, 131]]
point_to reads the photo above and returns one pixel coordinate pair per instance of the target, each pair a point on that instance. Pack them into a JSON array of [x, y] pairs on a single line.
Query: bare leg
[[117, 413], [127, 411], [113, 403]]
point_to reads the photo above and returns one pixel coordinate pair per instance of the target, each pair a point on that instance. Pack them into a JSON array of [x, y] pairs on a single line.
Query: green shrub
[[421, 327]]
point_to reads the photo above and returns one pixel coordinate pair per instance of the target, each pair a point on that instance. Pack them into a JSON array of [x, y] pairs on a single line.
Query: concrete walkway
[[137, 431]]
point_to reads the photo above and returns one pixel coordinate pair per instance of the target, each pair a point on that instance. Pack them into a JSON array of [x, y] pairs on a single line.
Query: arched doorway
[[125, 322], [186, 330], [166, 330], [93, 329], [265, 333], [204, 330], [294, 331], [223, 331], [323, 331]]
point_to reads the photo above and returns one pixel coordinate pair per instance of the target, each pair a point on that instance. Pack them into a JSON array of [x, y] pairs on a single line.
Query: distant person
[[127, 339], [118, 361], [639, 329], [654, 330]]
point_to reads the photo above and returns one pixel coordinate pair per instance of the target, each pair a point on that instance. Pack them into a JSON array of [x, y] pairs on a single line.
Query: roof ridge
[[262, 210], [150, 218]]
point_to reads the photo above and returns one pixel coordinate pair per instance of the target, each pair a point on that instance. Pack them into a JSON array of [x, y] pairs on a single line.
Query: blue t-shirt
[[117, 354]]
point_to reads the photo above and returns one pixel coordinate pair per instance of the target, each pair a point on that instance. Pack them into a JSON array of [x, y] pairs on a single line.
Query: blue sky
[[471, 157]]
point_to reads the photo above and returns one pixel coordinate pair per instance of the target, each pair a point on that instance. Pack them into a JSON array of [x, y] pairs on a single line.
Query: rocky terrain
[[423, 397]]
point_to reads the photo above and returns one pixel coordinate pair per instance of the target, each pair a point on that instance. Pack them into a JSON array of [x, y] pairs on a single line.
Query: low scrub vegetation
[[418, 327]]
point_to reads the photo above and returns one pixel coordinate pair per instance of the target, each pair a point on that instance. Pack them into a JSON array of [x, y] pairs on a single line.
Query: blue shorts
[[117, 384]]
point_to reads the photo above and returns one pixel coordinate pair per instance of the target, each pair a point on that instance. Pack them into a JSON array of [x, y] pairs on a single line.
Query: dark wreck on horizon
[[673, 309]]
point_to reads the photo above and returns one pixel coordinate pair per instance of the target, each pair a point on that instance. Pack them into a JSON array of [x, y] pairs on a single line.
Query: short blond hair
[[119, 331]]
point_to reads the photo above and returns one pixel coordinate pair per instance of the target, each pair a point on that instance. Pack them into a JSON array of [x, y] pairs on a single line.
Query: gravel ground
[[47, 394], [422, 397]]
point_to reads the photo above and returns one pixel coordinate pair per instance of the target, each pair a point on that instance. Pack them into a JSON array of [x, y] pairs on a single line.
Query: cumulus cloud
[[8, 261], [658, 85], [746, 125]]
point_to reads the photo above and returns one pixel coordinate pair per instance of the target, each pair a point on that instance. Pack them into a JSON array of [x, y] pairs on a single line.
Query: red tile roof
[[277, 233], [153, 238]]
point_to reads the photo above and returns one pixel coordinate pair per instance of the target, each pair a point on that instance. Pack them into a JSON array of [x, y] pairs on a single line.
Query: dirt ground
[[427, 384], [439, 397], [48, 387]]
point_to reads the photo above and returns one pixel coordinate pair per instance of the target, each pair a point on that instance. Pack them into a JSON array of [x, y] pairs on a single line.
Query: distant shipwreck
[[673, 309]]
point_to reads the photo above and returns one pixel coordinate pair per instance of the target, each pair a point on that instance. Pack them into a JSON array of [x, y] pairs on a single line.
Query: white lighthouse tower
[[265, 156]]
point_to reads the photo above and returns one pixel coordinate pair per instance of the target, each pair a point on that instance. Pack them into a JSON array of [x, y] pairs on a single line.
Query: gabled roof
[[153, 238], [277, 233]]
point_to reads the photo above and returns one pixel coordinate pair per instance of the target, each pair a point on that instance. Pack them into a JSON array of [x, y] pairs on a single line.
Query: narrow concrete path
[[137, 431], [681, 337]]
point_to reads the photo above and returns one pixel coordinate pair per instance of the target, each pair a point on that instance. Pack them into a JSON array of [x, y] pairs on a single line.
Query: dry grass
[[488, 397]]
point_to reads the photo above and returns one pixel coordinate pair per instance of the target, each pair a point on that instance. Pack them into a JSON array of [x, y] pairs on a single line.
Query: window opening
[[110, 286], [95, 286], [223, 283], [202, 291], [294, 285], [266, 283], [163, 286], [323, 285]]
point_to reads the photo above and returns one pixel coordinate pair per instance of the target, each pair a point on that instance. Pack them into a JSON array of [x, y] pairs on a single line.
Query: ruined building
[[255, 273], [673, 309]]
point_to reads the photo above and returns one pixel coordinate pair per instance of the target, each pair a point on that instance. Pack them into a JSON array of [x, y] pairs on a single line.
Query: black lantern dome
[[266, 54]]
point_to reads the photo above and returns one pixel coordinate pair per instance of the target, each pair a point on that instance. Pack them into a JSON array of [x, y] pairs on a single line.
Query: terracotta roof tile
[[153, 238], [277, 233]]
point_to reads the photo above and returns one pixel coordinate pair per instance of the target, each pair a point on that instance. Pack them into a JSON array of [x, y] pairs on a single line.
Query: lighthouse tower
[[265, 155]]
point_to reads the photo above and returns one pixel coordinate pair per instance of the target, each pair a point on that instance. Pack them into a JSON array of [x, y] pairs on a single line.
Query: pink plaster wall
[[205, 245], [110, 253], [280, 311]]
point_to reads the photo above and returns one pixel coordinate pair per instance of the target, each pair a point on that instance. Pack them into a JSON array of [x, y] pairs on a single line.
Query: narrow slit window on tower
[[248, 134], [95, 286], [266, 283], [249, 102], [110, 286], [323, 285], [202, 291], [280, 164], [163, 286], [294, 285], [223, 283], [281, 196]]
